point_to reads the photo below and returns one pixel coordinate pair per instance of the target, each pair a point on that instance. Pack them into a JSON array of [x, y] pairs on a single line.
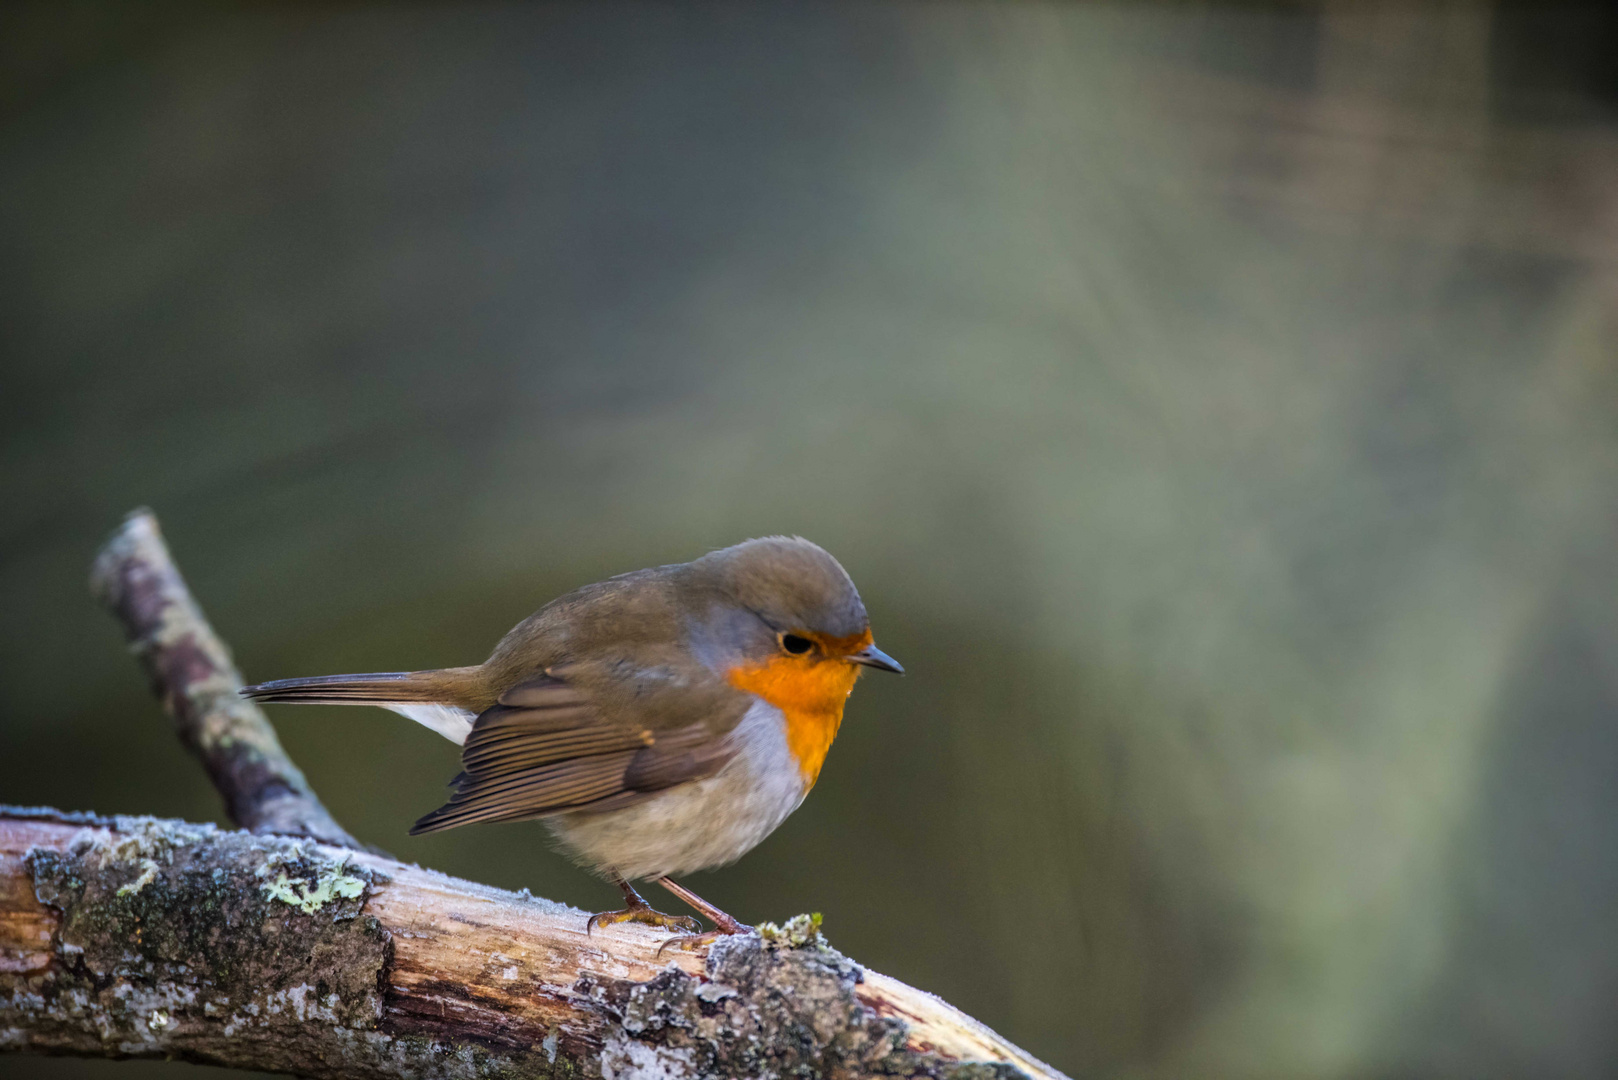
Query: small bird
[[659, 722]]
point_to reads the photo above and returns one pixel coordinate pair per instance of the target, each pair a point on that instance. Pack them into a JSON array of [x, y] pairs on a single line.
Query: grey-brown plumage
[[626, 691]]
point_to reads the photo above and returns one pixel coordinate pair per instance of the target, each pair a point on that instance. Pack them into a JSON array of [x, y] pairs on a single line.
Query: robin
[[659, 722]]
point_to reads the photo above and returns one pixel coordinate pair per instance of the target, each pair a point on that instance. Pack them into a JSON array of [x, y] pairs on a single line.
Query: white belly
[[701, 824]]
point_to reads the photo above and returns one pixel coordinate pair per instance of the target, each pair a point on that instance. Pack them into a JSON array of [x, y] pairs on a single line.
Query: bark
[[137, 937], [288, 949]]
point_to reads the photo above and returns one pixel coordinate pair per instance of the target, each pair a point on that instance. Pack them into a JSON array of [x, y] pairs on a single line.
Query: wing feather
[[546, 748], [532, 794]]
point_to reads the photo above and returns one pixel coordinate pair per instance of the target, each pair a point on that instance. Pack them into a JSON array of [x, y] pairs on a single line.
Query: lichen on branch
[[188, 941]]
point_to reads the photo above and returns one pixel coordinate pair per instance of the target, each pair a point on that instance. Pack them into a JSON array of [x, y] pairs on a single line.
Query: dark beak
[[871, 656]]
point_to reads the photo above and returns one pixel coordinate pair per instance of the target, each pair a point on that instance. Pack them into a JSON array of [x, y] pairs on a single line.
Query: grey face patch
[[725, 635]]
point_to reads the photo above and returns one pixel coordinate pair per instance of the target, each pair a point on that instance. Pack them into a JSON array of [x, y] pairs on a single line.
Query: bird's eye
[[796, 645]]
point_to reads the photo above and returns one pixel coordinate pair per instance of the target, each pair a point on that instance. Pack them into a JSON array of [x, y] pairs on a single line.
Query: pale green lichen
[[332, 882], [148, 874], [800, 931]]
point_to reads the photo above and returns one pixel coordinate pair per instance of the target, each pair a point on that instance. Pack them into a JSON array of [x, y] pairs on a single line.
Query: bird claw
[[693, 942], [644, 914]]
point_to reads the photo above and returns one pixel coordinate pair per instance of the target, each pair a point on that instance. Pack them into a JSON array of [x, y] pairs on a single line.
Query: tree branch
[[192, 673], [138, 937]]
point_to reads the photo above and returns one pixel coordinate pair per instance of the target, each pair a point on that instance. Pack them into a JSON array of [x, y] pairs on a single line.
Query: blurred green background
[[1217, 405]]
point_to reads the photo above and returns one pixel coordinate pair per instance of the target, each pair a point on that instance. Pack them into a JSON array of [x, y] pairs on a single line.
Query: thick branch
[[135, 937], [192, 674]]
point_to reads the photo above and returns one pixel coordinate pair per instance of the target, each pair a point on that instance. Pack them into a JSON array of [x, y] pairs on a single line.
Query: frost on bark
[[764, 1009]]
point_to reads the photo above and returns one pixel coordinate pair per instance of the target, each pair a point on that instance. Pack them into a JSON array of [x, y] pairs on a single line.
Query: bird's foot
[[644, 913], [724, 925], [693, 942], [636, 909]]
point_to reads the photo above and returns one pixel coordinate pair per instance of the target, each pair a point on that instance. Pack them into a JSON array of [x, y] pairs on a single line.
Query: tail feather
[[343, 689], [444, 686], [445, 700]]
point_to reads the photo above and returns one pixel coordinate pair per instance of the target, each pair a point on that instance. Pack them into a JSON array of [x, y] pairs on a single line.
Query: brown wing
[[547, 748]]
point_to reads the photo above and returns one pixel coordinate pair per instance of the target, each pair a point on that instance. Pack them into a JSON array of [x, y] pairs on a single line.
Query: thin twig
[[192, 673]]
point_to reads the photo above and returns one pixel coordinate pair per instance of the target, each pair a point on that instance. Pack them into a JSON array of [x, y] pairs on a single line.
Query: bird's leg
[[724, 925], [636, 909]]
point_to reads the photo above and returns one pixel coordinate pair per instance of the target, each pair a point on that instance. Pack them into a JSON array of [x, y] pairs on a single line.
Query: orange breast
[[811, 695]]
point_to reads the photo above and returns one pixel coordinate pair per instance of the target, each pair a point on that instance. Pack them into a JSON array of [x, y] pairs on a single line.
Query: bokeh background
[[1216, 403]]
